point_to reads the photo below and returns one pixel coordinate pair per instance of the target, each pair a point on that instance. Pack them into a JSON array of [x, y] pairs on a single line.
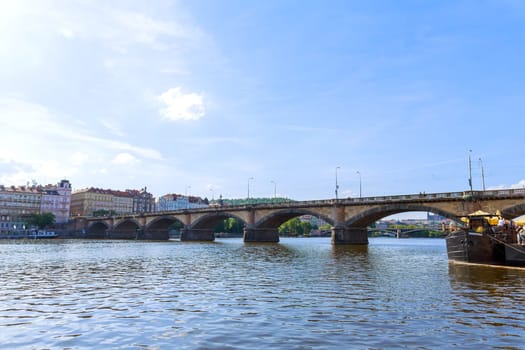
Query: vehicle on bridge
[[486, 240]]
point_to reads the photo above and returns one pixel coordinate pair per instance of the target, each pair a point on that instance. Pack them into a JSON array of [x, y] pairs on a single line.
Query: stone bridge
[[349, 217]]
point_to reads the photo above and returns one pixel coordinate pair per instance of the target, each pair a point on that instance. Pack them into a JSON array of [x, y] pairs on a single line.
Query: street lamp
[[482, 174], [336, 183], [212, 194], [360, 183], [250, 178], [274, 189], [470, 170], [187, 197]]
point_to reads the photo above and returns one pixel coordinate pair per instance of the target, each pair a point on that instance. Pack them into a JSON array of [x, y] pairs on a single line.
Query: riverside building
[[90, 201], [17, 203], [170, 202]]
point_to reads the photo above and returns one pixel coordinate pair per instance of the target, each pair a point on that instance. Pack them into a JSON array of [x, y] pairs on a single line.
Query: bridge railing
[[405, 197], [390, 198]]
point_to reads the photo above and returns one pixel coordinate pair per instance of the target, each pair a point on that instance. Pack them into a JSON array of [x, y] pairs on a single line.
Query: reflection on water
[[298, 294], [356, 253], [482, 276], [490, 298]]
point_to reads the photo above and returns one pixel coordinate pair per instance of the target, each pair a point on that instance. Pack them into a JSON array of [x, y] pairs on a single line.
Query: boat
[[29, 234], [41, 234], [484, 242]]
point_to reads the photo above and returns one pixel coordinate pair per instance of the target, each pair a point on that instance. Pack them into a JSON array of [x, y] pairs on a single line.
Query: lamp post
[[482, 174], [336, 183], [360, 183], [187, 197], [250, 178], [274, 189], [212, 193], [470, 170]]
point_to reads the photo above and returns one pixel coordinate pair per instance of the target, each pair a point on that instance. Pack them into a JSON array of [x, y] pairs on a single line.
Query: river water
[[302, 293]]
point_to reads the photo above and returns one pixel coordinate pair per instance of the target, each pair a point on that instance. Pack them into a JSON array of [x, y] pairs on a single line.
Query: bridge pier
[[189, 234], [95, 235], [121, 234], [261, 235], [152, 235], [349, 235]]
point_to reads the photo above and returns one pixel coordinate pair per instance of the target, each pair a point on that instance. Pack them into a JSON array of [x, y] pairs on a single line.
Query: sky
[[210, 98]]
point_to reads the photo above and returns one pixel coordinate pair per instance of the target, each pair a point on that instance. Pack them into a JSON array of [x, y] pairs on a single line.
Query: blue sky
[[199, 96]]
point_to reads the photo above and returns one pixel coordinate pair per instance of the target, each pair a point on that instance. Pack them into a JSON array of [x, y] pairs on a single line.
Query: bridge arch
[[209, 221], [159, 227], [162, 221], [374, 214], [126, 222], [97, 229], [514, 211], [277, 218], [125, 229]]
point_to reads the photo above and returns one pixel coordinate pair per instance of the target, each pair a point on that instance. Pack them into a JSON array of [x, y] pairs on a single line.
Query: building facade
[[143, 201], [17, 203], [95, 201], [170, 202], [56, 199]]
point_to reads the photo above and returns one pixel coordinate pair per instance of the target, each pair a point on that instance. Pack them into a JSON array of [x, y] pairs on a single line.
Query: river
[[302, 293]]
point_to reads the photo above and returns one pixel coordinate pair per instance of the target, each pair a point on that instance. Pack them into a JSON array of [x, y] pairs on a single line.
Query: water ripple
[[299, 294]]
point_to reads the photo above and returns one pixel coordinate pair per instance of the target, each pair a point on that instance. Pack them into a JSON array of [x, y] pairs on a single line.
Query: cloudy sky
[[200, 96]]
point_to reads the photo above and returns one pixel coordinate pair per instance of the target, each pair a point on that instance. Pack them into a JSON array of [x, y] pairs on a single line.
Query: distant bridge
[[395, 232], [349, 217]]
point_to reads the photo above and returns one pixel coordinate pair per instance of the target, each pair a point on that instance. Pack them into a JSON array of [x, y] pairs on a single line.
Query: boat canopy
[[492, 219], [480, 213]]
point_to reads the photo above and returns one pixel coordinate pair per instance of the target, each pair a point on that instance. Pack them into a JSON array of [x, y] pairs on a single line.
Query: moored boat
[[29, 234], [40, 234], [483, 243]]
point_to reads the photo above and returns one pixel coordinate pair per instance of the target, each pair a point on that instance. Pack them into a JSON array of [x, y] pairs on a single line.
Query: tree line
[[40, 220]]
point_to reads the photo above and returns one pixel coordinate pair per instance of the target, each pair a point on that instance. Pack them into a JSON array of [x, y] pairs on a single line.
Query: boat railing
[[506, 241]]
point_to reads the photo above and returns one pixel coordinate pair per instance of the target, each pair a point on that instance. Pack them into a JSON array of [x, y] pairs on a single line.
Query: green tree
[[177, 225], [41, 220], [230, 225], [296, 227], [175, 228], [326, 227]]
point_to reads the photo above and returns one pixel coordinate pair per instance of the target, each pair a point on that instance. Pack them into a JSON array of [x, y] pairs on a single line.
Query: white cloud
[[180, 106], [39, 126], [54, 169], [125, 159], [18, 178], [520, 184], [112, 127], [32, 32], [146, 30], [67, 33], [79, 158], [39, 144]]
